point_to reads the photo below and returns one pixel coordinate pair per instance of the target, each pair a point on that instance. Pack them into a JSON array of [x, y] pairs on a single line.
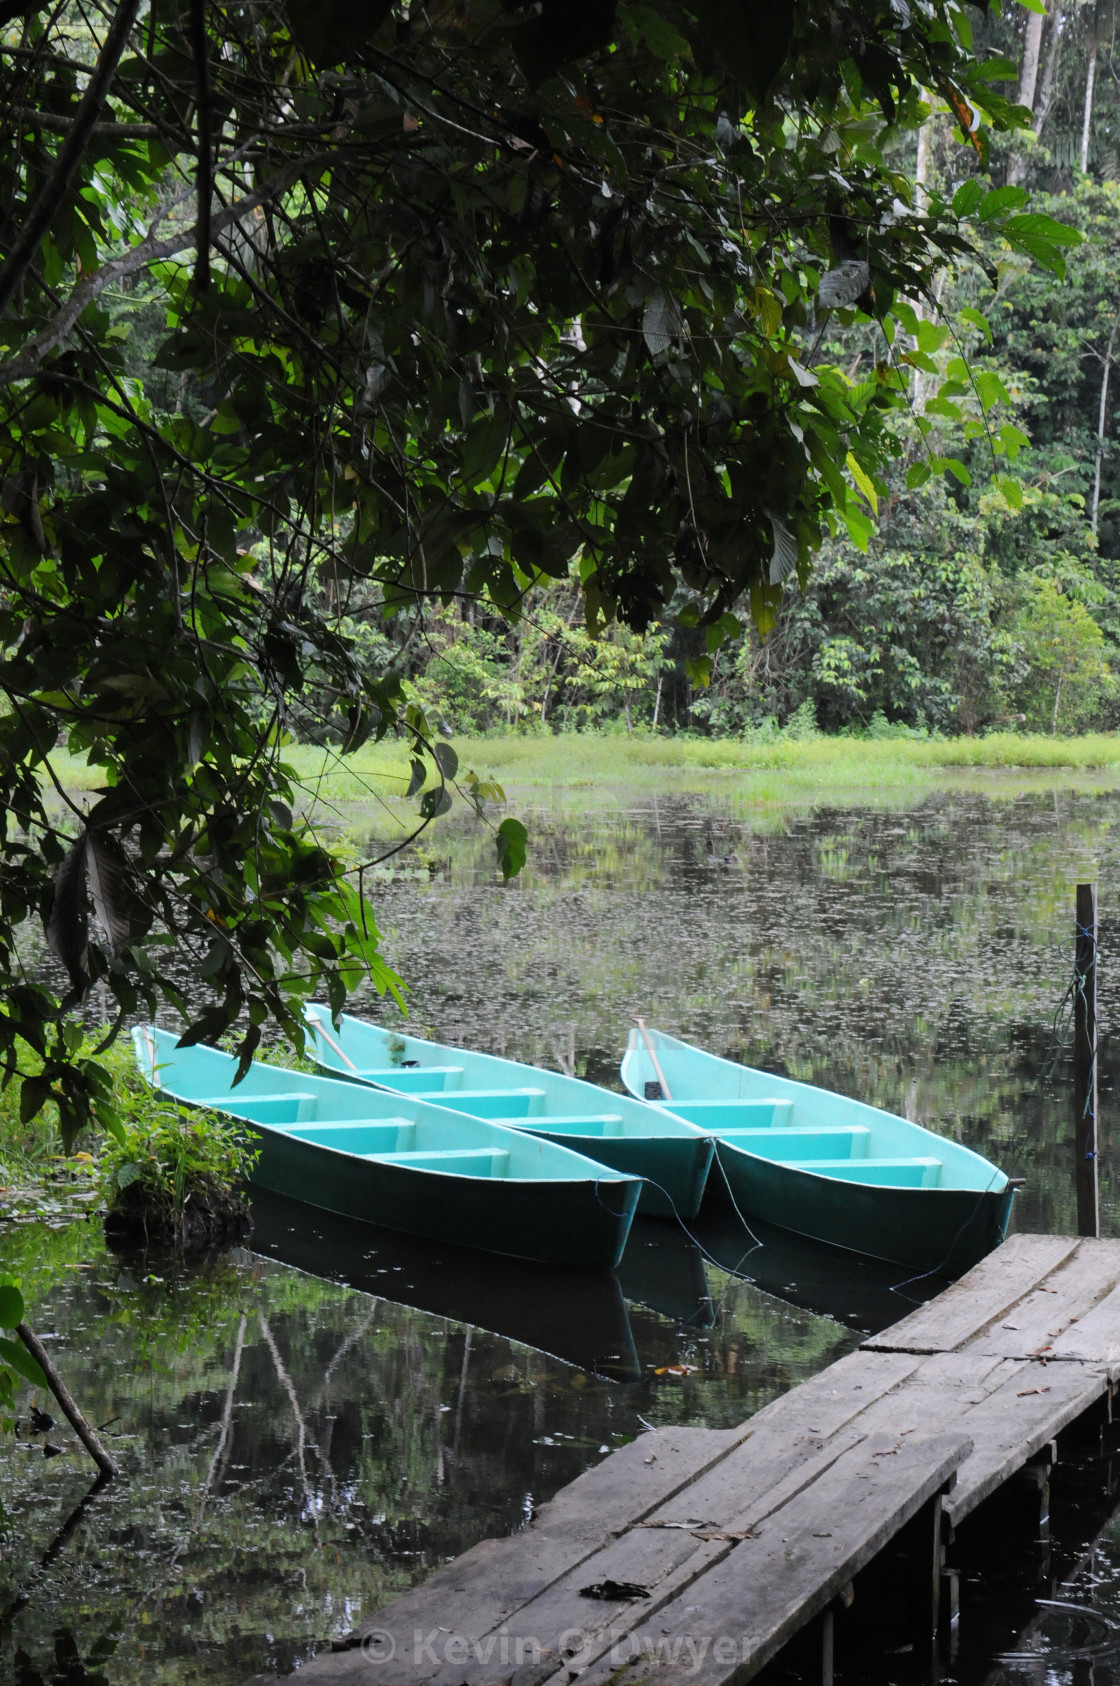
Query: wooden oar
[[317, 1030], [665, 1095], [149, 1043]]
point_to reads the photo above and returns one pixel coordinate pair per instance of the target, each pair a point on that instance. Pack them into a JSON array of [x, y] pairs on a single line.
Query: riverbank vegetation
[[160, 1172]]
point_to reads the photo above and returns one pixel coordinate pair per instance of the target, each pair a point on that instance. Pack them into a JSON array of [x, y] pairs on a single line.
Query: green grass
[[778, 765], [768, 770]]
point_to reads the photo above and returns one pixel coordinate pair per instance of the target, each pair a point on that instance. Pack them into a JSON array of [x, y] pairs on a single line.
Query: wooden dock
[[698, 1555]]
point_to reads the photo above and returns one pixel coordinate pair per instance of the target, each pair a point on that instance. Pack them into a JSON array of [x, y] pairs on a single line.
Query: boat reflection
[[578, 1316], [862, 1293]]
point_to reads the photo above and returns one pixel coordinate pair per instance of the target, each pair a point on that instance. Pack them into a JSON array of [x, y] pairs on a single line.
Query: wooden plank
[[985, 1295], [833, 1398], [727, 1625], [1032, 1405], [1095, 1337], [1030, 1328], [663, 1559], [493, 1579]]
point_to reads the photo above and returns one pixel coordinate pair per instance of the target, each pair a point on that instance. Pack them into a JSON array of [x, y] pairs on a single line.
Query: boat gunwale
[[957, 1150]]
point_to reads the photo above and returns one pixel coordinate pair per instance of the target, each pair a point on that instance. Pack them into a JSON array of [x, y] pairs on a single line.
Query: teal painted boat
[[825, 1166], [673, 1156], [394, 1160]]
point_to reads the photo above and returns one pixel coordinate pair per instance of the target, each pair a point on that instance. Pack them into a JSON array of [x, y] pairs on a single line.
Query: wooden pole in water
[[1085, 1062]]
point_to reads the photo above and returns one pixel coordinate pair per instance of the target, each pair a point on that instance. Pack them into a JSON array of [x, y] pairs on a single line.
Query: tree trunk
[[1028, 81], [1087, 119], [1102, 422], [1057, 700], [925, 161], [1032, 48], [1045, 96]]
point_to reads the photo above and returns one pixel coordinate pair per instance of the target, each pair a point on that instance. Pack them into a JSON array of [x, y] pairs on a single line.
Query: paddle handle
[[665, 1095], [316, 1024]]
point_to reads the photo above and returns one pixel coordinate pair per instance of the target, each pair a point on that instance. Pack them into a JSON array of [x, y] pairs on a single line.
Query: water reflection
[[309, 1427]]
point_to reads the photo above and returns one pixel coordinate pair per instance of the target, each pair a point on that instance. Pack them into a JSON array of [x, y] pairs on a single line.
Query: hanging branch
[[57, 185], [204, 175], [62, 1393]]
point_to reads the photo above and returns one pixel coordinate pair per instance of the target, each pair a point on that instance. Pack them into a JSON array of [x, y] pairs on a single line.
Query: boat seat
[[828, 1141], [581, 1124], [261, 1109], [915, 1172], [460, 1161], [714, 1115], [409, 1079], [359, 1135], [487, 1103]]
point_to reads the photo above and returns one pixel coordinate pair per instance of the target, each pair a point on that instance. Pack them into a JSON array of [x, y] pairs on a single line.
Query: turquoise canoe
[[392, 1160], [825, 1166], [672, 1156]]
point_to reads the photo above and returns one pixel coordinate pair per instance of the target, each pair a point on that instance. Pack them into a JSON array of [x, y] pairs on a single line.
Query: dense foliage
[[311, 319]]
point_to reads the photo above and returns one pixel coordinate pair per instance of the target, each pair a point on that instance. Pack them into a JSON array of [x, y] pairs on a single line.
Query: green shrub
[[171, 1172]]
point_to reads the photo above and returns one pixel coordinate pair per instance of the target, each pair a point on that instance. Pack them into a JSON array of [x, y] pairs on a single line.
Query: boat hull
[[947, 1230], [576, 1223]]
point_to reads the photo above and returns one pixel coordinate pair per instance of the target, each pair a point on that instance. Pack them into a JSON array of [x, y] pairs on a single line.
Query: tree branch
[[26, 117], [145, 252], [54, 189]]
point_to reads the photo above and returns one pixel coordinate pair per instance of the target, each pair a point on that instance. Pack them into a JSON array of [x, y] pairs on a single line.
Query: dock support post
[[828, 1631], [1085, 1062]]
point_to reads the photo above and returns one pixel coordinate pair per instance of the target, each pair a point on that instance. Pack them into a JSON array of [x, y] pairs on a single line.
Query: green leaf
[[972, 315], [1001, 199], [967, 197], [990, 389], [1041, 238], [11, 1306], [864, 481], [906, 314], [917, 475], [484, 444], [129, 1174], [1011, 490], [19, 1359], [752, 37], [950, 465], [511, 843], [1042, 227], [33, 1095], [433, 803], [445, 758]]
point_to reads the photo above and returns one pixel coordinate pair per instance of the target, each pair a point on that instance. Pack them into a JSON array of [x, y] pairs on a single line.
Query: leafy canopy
[[323, 311]]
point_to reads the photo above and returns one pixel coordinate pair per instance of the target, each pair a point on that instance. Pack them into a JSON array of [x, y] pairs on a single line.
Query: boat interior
[[799, 1126]]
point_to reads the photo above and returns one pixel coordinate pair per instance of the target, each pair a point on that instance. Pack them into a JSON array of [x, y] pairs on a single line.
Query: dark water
[[309, 1427]]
